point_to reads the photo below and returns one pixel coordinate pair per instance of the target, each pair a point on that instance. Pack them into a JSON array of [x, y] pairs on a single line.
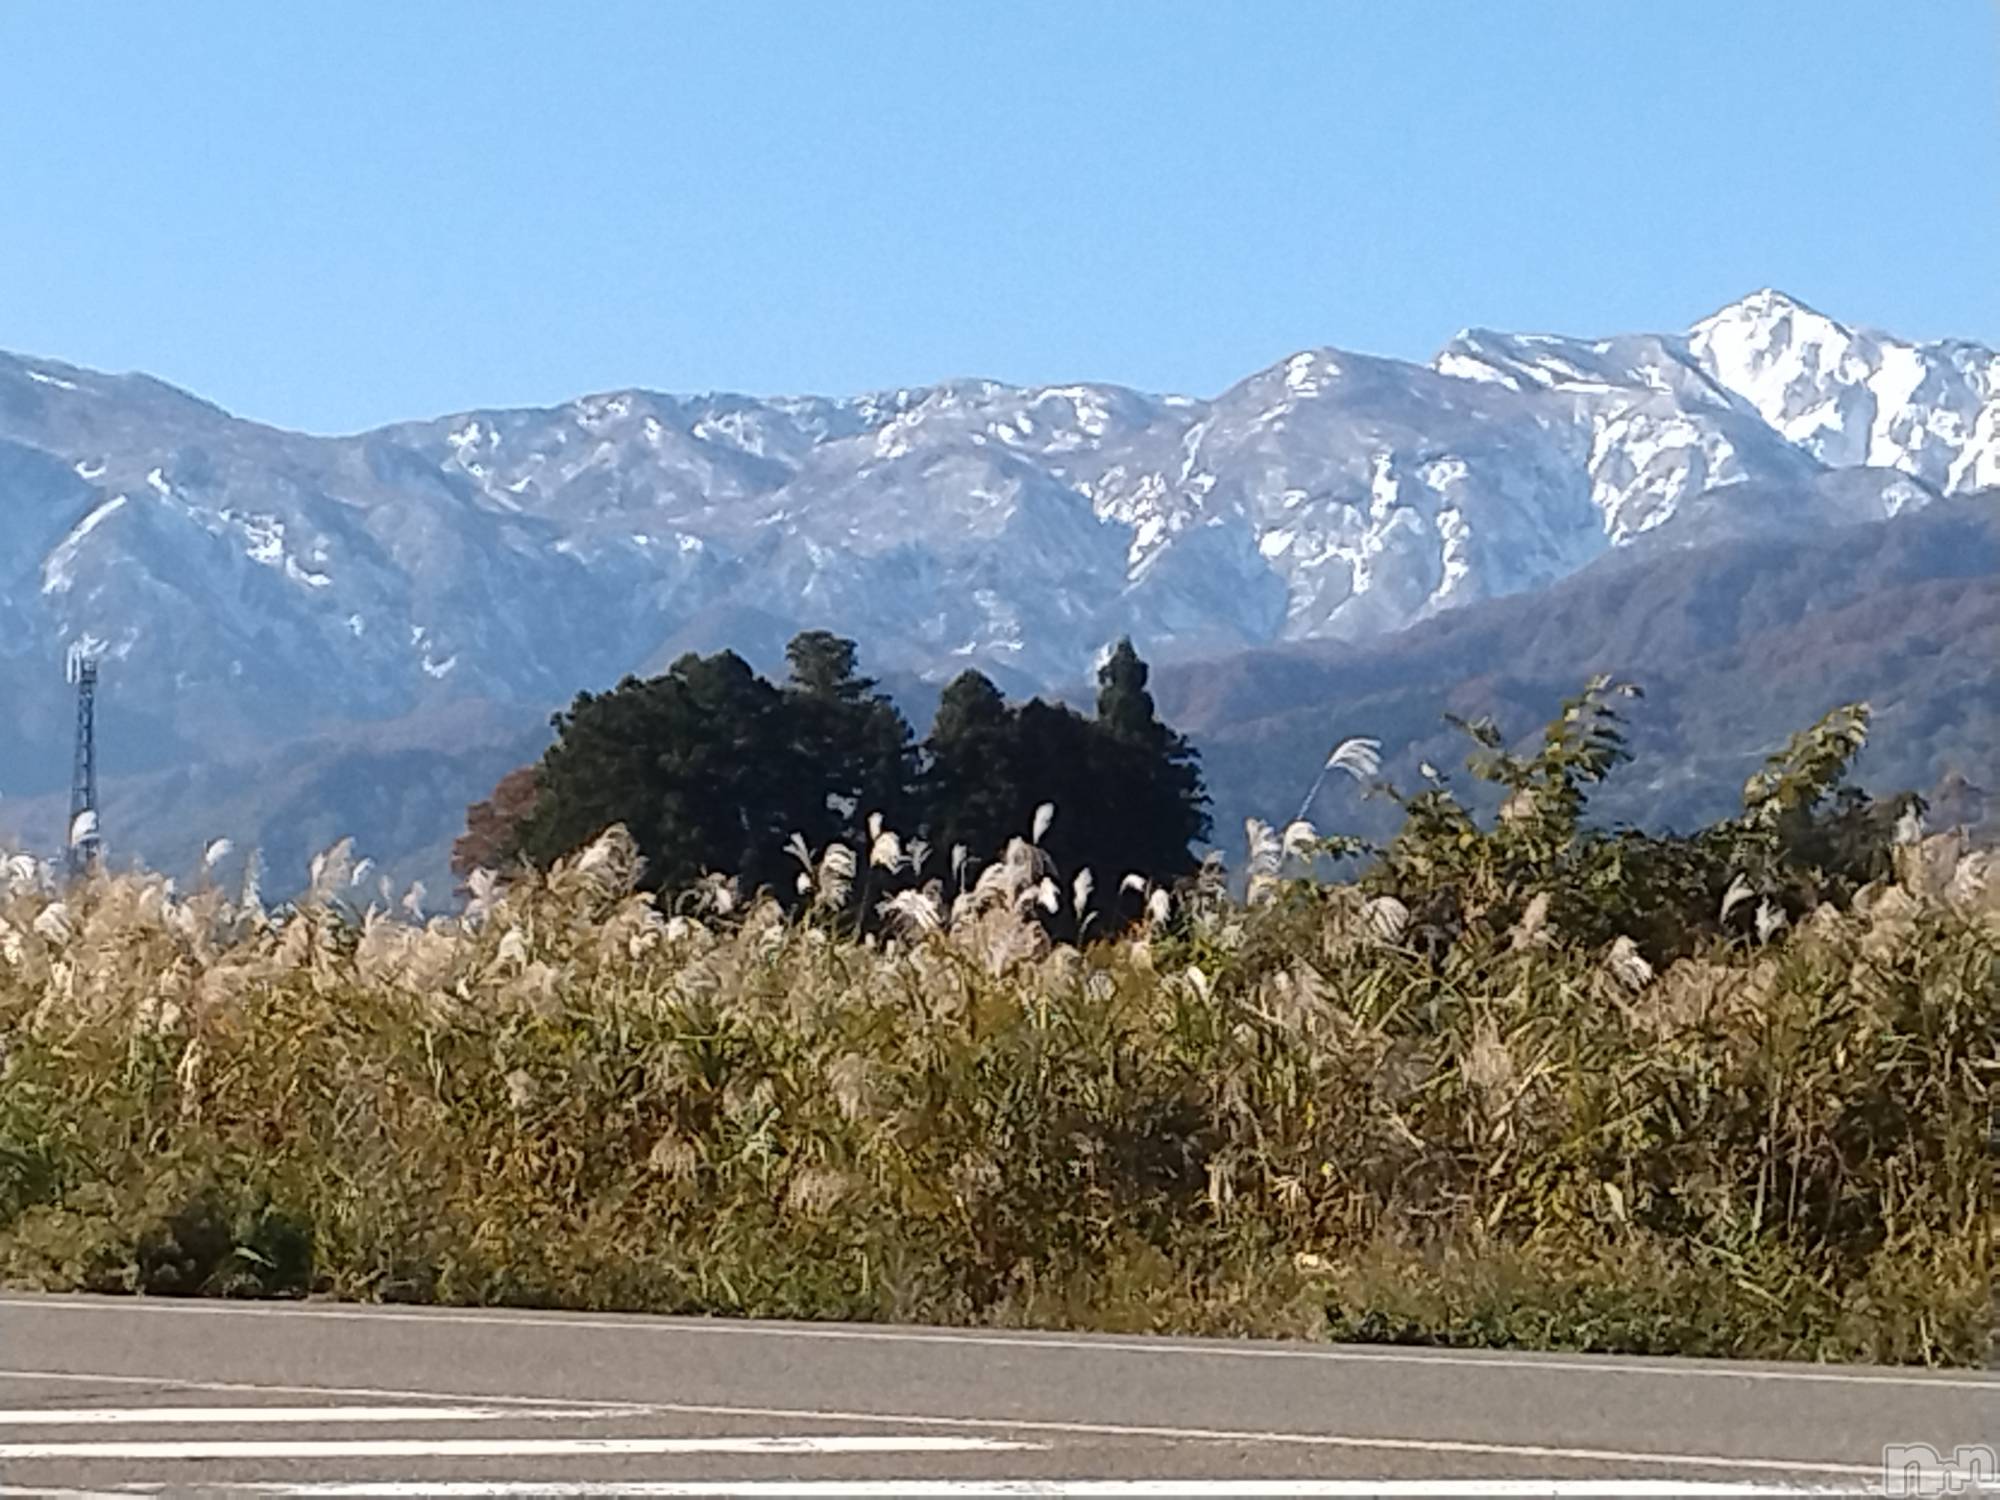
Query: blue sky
[[333, 215]]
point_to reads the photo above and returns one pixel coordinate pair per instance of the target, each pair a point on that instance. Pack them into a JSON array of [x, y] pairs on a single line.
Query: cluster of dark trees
[[712, 768]]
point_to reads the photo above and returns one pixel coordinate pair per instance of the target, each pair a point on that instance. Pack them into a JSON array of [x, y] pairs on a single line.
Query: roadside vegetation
[[1514, 1081]]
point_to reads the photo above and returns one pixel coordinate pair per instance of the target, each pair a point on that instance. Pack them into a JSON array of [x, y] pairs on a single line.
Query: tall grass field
[[1333, 1108]]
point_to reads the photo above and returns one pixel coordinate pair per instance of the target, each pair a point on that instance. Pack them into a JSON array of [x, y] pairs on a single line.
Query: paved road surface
[[124, 1396]]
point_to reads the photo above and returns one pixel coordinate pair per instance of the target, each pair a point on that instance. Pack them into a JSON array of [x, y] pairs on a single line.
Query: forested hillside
[[1733, 644]]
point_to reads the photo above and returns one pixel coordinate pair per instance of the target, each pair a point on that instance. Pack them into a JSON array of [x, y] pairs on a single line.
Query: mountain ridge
[[249, 585]]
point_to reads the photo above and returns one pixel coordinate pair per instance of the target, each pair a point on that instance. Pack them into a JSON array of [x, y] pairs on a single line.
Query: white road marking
[[286, 1448], [1087, 1429], [528, 1404], [1161, 1348], [1110, 1489], [231, 1416]]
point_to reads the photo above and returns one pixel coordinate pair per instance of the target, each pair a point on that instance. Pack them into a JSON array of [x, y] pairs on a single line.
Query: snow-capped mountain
[[250, 583]]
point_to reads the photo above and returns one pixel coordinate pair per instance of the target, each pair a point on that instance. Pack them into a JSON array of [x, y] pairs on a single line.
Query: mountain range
[[305, 634]]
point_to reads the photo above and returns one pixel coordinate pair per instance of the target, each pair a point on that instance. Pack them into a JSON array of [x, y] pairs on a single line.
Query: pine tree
[[971, 790], [1124, 707], [855, 743], [1153, 790]]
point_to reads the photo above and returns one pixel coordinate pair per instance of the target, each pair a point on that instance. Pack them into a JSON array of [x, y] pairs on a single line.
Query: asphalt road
[[127, 1396]]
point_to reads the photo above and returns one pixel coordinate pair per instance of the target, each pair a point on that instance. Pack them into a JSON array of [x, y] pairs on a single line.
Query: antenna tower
[[85, 837]]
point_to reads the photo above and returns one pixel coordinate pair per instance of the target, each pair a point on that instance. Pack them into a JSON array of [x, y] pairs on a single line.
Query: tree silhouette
[[972, 793], [714, 769], [1152, 786], [851, 744], [699, 764], [1127, 789]]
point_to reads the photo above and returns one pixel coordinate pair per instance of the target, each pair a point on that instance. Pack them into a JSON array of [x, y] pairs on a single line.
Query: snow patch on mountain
[[273, 578]]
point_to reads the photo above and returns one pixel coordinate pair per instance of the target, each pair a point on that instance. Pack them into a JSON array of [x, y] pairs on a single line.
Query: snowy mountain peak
[[256, 582], [1851, 397]]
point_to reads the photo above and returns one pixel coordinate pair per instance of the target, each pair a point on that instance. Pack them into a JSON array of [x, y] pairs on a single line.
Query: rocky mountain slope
[[250, 587]]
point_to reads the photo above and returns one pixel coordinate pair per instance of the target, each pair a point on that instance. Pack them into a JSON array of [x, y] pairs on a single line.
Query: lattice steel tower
[[85, 836]]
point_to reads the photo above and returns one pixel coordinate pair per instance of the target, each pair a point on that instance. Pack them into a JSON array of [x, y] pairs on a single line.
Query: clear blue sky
[[332, 215]]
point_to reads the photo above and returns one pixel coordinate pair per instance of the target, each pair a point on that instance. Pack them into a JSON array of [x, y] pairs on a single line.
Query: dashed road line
[[209, 1449], [224, 1416]]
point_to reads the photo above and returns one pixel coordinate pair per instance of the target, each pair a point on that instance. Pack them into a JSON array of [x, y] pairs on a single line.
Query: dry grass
[[1268, 1119]]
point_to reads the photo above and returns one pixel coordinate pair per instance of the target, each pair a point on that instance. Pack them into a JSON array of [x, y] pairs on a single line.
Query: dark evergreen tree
[[713, 769], [1124, 707], [972, 791], [853, 744], [700, 764], [1126, 788], [1153, 782]]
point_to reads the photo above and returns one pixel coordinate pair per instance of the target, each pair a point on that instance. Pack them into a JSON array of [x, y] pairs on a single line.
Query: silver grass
[[329, 872], [1266, 858], [1080, 890], [1531, 930], [885, 850], [1740, 890], [914, 912], [1359, 757], [250, 899], [611, 864], [836, 876], [53, 923], [1628, 966], [1388, 919], [1266, 849], [1910, 827], [513, 948], [1044, 816], [483, 886], [996, 886]]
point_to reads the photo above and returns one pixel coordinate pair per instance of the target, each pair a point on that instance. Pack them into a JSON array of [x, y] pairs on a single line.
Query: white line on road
[[531, 1405], [1087, 1429], [1157, 1348], [231, 1416], [224, 1448], [1107, 1489]]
